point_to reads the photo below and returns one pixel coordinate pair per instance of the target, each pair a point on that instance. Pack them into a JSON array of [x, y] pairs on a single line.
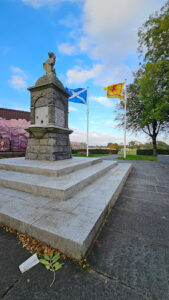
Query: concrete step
[[70, 226], [60, 188], [48, 168]]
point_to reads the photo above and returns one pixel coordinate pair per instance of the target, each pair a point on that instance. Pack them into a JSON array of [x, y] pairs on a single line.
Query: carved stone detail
[[49, 64]]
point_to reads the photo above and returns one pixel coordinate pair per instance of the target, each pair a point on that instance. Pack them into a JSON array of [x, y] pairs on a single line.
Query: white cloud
[[79, 75], [98, 137], [95, 137], [17, 82], [101, 74], [104, 101], [72, 108], [39, 3], [115, 74], [18, 79], [113, 26], [110, 34], [84, 43], [69, 21], [16, 70], [66, 48]]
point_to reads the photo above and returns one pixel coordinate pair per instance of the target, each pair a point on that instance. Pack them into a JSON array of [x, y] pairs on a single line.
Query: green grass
[[128, 152], [90, 155], [139, 157]]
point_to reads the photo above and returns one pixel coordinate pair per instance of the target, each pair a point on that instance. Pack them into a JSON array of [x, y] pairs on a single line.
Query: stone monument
[[49, 132]]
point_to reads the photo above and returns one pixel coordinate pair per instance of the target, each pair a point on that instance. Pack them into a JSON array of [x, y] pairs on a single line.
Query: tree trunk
[[154, 145]]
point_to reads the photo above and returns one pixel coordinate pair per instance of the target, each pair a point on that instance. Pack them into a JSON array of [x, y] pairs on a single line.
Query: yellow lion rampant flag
[[115, 90]]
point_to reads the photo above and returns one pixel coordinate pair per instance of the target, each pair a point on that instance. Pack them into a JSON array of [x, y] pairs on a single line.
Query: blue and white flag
[[77, 95]]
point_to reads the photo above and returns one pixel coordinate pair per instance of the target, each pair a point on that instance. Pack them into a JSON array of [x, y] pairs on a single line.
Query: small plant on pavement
[[51, 263]]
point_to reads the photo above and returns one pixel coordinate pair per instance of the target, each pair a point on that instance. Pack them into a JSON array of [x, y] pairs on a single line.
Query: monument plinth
[[49, 132]]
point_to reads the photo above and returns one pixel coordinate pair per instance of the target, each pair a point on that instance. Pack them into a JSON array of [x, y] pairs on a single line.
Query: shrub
[[95, 151], [150, 151]]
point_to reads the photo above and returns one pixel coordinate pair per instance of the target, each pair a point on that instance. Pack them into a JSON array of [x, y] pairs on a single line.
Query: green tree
[[134, 145], [148, 95], [162, 145], [154, 96], [154, 36], [147, 146]]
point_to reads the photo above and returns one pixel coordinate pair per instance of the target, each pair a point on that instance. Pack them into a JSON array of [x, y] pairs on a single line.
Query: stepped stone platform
[[63, 203]]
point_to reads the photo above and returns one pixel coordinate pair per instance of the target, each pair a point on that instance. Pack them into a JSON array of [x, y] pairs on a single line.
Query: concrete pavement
[[130, 260]]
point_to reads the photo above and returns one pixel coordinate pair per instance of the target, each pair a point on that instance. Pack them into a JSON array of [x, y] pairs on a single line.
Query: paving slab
[[163, 189], [129, 191], [11, 255], [71, 282], [134, 262], [139, 224], [149, 208]]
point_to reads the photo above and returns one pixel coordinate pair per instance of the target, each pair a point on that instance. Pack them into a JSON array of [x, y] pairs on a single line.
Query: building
[[13, 136], [9, 114]]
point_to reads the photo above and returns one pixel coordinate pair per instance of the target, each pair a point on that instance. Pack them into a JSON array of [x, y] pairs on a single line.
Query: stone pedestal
[[49, 132]]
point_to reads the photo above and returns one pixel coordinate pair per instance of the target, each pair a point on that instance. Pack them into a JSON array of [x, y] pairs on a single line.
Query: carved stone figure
[[49, 64]]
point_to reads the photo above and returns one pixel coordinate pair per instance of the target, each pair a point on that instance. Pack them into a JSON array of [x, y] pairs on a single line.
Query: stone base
[[53, 146], [67, 209]]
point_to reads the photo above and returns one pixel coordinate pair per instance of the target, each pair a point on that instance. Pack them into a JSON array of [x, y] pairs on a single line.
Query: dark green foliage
[[150, 151], [154, 36], [95, 151]]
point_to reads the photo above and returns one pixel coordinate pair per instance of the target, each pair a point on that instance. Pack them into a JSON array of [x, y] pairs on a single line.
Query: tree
[[113, 146], [154, 35], [154, 96], [134, 145], [147, 109], [148, 95], [162, 145]]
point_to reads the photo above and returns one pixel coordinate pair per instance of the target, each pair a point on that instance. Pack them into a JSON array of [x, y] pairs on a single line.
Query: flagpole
[[87, 112], [125, 108]]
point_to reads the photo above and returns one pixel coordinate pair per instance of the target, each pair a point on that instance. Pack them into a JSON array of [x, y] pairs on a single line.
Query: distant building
[[78, 145], [9, 114], [13, 136]]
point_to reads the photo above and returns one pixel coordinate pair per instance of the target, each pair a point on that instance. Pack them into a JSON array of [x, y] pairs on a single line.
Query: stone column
[[49, 132]]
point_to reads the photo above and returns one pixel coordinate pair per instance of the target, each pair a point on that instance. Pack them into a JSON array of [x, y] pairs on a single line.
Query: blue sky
[[95, 45]]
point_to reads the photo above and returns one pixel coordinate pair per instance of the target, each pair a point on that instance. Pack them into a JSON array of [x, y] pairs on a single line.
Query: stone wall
[[53, 146]]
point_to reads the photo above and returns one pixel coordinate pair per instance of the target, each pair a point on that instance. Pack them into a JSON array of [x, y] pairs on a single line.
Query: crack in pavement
[[10, 287], [138, 291]]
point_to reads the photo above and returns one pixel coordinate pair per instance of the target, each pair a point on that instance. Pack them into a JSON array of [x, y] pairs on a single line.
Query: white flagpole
[[87, 112], [125, 108]]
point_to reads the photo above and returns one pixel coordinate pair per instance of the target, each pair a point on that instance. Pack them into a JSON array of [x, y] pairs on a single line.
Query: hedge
[[150, 151], [95, 151]]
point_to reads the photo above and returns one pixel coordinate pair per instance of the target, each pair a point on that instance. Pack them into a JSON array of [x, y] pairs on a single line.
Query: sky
[[95, 43]]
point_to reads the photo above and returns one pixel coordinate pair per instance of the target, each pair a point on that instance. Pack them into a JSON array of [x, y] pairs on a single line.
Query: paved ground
[[129, 262], [110, 157]]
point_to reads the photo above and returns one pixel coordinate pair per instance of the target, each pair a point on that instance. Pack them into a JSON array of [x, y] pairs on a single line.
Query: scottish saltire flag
[[77, 95]]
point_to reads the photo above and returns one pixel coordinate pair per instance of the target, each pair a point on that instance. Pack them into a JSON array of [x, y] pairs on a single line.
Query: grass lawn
[[139, 157], [90, 155], [128, 152]]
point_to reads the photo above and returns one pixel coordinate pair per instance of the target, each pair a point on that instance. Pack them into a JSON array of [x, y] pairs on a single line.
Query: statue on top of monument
[[48, 65]]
